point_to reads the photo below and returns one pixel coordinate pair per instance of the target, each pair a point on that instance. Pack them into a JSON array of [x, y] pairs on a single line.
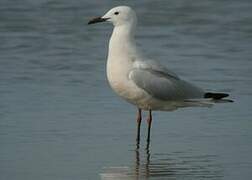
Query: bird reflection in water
[[176, 165]]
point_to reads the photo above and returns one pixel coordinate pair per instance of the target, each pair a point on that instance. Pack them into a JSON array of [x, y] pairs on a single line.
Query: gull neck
[[122, 40]]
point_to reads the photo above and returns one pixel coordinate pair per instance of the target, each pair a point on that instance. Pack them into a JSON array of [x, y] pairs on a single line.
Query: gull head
[[120, 15]]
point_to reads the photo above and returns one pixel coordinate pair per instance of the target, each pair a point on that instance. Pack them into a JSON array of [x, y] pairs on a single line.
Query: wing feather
[[163, 85]]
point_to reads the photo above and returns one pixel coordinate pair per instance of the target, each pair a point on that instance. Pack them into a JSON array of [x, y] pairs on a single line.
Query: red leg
[[139, 119], [149, 120]]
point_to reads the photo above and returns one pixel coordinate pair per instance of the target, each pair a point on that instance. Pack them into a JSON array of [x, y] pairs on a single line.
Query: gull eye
[[116, 13]]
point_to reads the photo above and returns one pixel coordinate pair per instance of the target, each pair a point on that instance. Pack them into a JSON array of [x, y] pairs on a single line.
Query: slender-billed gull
[[141, 81]]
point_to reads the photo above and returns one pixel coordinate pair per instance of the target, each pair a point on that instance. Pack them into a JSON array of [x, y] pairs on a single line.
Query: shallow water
[[61, 120]]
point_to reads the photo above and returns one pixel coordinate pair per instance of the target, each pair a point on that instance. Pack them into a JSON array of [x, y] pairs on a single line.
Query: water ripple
[[174, 165]]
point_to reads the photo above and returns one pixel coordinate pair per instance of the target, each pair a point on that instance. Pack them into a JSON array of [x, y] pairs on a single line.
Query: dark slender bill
[[97, 20]]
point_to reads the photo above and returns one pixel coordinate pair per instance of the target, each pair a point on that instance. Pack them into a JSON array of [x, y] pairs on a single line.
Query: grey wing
[[154, 66], [163, 86]]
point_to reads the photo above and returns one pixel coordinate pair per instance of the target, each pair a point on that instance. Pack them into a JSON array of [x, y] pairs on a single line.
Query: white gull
[[141, 81]]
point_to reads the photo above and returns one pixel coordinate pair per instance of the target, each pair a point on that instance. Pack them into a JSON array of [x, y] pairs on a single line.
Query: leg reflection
[[137, 166], [147, 164], [142, 168], [173, 165]]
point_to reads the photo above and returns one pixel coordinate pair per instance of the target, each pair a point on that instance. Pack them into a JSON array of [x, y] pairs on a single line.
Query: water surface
[[59, 119]]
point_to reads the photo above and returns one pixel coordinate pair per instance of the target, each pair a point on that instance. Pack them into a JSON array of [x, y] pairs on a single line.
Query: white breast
[[122, 53], [117, 74]]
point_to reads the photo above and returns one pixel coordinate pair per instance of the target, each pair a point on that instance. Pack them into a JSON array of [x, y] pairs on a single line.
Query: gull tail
[[209, 100], [217, 97]]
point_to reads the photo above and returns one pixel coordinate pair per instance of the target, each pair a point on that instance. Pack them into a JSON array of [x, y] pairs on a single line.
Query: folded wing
[[163, 84]]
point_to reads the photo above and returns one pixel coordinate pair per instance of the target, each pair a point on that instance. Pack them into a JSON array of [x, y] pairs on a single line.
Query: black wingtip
[[215, 96]]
